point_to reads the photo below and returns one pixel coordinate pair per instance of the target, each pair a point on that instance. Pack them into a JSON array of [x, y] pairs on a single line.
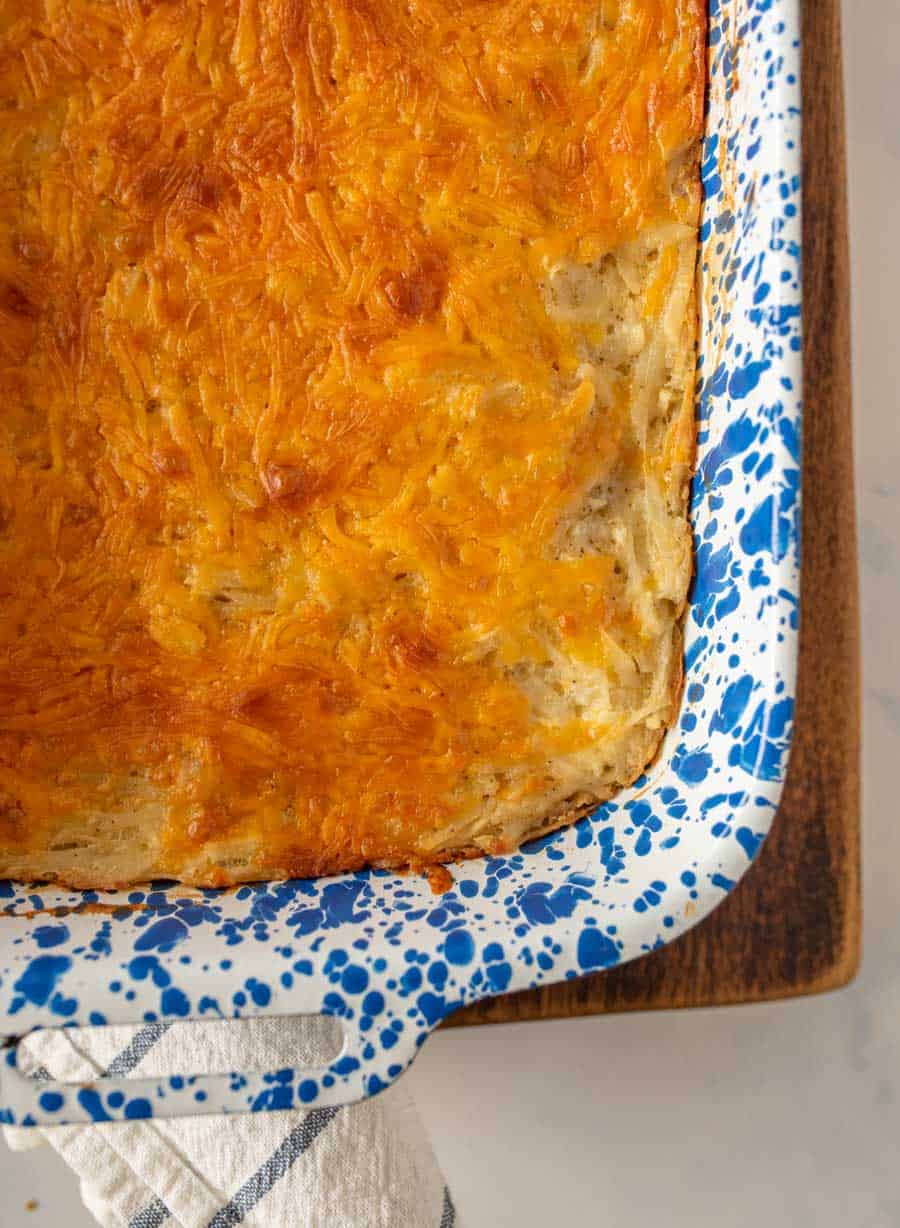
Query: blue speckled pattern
[[379, 950]]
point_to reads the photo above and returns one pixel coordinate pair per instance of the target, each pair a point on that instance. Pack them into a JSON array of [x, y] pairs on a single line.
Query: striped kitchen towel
[[366, 1166]]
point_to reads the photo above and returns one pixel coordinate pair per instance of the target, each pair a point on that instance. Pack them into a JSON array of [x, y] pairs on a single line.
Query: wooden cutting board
[[792, 925]]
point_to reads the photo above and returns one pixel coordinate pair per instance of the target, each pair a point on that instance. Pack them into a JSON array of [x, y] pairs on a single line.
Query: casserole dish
[[380, 951]]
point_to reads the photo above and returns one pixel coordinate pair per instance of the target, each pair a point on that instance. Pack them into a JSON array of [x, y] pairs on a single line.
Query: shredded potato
[[346, 351]]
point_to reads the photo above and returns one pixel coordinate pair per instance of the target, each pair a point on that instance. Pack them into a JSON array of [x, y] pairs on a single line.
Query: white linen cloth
[[369, 1165]]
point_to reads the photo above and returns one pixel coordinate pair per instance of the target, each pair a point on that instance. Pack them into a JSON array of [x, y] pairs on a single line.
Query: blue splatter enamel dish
[[380, 951]]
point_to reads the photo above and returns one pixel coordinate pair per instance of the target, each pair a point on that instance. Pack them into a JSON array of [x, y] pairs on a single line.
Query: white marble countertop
[[787, 1114]]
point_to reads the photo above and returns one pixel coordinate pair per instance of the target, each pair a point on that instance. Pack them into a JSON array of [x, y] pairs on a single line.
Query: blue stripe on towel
[[278, 1163]]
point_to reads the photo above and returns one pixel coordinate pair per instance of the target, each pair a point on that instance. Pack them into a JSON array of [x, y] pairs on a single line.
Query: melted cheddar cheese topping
[[293, 409]]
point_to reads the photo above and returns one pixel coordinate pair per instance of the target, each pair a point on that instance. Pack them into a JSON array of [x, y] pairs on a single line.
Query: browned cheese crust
[[346, 360]]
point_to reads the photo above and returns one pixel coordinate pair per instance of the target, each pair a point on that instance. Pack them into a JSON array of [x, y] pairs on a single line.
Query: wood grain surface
[[792, 925]]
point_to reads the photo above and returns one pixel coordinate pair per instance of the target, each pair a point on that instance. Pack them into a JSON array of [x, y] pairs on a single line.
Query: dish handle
[[33, 1097]]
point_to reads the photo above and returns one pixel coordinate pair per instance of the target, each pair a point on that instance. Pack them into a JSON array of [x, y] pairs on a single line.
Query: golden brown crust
[[347, 356]]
